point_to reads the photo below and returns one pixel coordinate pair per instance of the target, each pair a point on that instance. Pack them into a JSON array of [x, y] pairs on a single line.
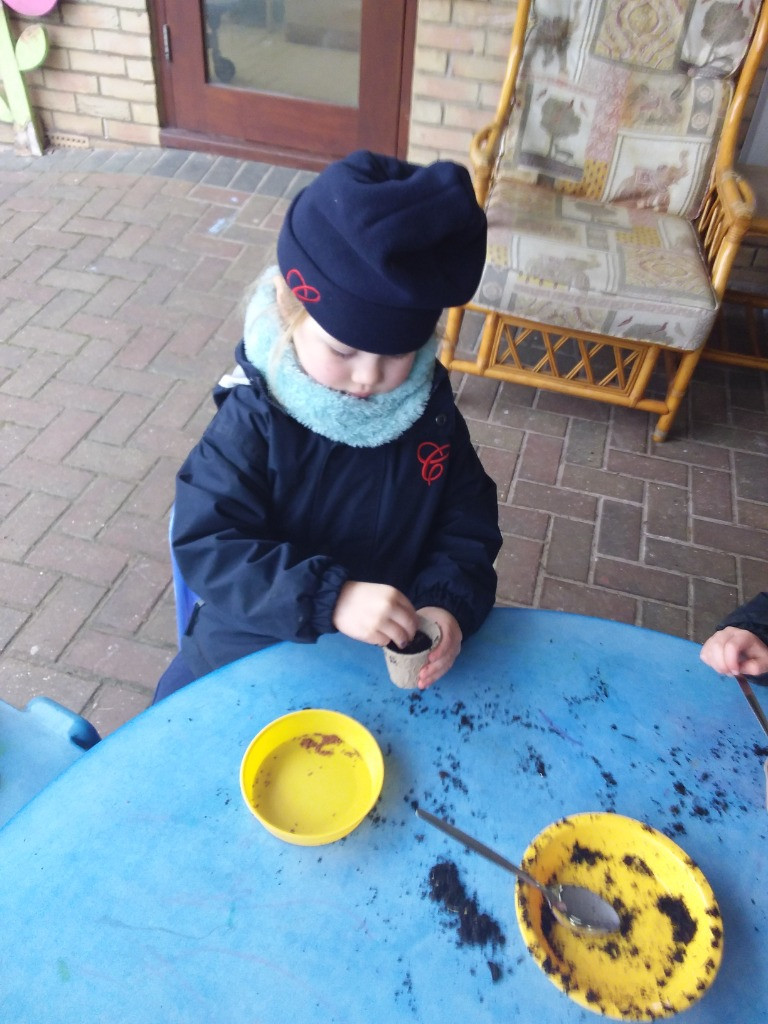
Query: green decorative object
[[27, 52]]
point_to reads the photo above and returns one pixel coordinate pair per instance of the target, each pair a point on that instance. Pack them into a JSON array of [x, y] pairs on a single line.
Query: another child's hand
[[375, 613], [446, 652], [732, 650]]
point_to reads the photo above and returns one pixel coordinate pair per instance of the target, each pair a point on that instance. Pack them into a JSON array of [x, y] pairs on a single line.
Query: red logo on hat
[[433, 458], [303, 291]]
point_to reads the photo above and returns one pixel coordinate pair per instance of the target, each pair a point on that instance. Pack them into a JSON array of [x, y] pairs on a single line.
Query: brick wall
[[461, 54], [750, 269], [97, 84]]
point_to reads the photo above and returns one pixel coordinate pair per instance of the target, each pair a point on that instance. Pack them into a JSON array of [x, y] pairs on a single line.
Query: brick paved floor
[[122, 276]]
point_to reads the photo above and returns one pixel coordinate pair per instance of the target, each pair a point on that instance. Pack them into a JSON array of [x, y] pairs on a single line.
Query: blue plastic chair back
[[184, 598], [36, 744]]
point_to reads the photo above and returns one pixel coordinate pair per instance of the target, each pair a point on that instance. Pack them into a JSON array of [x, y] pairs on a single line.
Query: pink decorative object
[[31, 8], [16, 57]]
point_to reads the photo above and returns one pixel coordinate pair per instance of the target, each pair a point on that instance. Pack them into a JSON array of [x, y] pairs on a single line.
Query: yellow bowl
[[311, 777], [670, 945]]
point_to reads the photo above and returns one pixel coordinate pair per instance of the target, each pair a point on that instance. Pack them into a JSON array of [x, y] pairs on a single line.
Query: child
[[337, 488], [740, 644]]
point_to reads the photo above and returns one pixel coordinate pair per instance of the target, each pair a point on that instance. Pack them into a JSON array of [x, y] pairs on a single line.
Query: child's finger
[[732, 653], [436, 667]]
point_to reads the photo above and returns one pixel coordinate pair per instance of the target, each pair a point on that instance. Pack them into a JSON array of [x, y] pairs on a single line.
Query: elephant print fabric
[[623, 100]]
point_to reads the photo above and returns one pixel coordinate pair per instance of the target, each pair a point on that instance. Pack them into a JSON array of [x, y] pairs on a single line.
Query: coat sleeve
[[457, 570], [227, 544], [752, 616]]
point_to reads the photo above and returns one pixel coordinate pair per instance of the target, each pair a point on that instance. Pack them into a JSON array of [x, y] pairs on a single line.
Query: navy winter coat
[[271, 519], [752, 616]]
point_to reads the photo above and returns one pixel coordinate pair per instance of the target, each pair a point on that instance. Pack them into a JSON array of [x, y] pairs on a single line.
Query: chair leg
[[678, 386], [451, 335]]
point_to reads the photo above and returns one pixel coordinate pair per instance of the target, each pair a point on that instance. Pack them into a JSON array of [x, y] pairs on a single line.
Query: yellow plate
[[312, 776], [671, 941]]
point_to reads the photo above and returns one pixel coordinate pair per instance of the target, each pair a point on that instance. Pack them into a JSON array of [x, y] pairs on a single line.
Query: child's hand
[[446, 652], [732, 650], [375, 613]]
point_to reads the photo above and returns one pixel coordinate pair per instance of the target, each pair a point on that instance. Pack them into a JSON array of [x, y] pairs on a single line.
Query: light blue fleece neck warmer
[[360, 423]]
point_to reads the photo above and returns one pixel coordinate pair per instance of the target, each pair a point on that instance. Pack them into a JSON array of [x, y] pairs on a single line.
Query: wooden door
[[301, 82]]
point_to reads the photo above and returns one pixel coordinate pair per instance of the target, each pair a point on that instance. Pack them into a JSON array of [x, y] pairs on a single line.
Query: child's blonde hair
[[288, 310], [290, 313]]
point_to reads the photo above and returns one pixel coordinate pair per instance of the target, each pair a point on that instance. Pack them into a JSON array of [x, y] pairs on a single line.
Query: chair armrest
[[736, 195], [483, 158], [723, 222]]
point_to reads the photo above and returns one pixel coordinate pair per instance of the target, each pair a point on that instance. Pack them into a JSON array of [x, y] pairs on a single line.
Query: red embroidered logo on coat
[[433, 458], [303, 291]]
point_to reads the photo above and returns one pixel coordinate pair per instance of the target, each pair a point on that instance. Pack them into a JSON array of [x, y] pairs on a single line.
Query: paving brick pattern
[[121, 284]]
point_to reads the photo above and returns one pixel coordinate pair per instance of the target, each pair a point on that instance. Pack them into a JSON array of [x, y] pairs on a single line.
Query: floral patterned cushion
[[623, 100], [591, 266]]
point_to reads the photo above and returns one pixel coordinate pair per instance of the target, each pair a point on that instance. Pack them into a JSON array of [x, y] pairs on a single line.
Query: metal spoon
[[749, 693], [572, 905]]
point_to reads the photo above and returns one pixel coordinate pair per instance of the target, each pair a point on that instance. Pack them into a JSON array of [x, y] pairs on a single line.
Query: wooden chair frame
[[608, 369], [749, 349]]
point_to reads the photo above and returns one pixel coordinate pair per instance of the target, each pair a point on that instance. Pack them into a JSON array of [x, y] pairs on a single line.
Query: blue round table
[[139, 888]]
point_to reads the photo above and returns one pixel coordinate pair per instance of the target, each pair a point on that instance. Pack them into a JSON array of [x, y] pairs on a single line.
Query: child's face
[[341, 368]]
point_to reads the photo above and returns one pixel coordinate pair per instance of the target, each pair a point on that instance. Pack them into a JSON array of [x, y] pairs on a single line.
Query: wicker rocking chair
[[613, 206]]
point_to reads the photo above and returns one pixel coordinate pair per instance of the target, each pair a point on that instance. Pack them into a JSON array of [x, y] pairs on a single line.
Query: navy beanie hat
[[375, 249]]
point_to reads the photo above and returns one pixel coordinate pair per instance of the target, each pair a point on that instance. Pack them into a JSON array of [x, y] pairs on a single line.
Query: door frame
[[382, 120]]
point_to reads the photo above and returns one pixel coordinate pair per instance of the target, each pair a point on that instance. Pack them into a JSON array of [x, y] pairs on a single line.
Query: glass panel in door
[[304, 49]]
